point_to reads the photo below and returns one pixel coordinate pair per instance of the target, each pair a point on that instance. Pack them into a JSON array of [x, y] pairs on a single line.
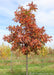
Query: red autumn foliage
[[28, 36]]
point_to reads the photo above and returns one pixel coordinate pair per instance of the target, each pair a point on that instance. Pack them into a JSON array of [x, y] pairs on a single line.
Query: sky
[[44, 16]]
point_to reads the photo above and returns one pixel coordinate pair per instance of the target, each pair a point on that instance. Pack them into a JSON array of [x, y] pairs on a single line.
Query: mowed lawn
[[37, 65]]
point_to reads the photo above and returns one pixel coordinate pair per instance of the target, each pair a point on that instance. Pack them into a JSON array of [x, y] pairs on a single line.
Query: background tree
[[50, 50], [44, 51], [28, 36], [5, 52]]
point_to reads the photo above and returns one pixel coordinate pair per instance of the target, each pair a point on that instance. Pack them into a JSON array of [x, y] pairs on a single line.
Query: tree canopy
[[28, 36]]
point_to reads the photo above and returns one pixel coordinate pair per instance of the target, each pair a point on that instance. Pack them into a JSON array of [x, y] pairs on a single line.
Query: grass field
[[38, 65]]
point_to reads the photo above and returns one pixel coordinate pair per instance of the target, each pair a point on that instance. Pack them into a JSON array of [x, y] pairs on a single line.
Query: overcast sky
[[44, 16]]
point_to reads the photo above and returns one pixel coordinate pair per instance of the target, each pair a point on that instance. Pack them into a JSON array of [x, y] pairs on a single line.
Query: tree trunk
[[27, 64]]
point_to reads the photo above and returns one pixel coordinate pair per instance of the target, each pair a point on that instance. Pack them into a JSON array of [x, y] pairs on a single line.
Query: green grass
[[37, 66], [33, 68]]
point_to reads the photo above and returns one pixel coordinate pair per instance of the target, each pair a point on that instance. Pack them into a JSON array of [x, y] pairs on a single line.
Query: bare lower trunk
[[27, 64]]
